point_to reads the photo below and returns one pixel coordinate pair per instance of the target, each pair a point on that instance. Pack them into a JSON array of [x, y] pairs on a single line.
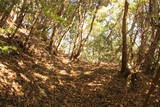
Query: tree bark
[[124, 69], [18, 26], [20, 18], [31, 30], [80, 48], [6, 15], [149, 56], [141, 52], [51, 43], [81, 16]]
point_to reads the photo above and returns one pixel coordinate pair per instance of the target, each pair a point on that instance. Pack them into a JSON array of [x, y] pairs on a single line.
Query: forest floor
[[35, 78]]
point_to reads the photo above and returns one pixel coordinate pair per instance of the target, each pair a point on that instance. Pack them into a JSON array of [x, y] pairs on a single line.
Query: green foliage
[[2, 31], [2, 43], [7, 30], [101, 49], [5, 5], [6, 49]]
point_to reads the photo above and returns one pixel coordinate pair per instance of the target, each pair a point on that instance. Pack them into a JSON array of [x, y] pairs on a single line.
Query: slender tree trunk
[[64, 34], [155, 36], [32, 28], [149, 56], [141, 52], [5, 16], [18, 26], [74, 47], [4, 19], [80, 48], [20, 18], [80, 31], [124, 68], [51, 43], [55, 29]]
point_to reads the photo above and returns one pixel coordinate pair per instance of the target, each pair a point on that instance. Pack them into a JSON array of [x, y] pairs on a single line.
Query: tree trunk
[[141, 52], [20, 18], [64, 34], [18, 26], [149, 56], [155, 36], [124, 69], [80, 48], [6, 15], [32, 28], [51, 43], [4, 19]]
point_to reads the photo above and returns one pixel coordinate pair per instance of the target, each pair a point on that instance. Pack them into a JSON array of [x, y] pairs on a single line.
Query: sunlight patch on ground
[[49, 66], [75, 73], [6, 73], [2, 66], [17, 88], [94, 84], [87, 73], [51, 87], [21, 64], [7, 77], [65, 60], [63, 72], [40, 76], [25, 78], [60, 81]]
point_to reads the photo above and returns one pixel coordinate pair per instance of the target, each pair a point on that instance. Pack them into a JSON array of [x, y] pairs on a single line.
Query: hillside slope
[[36, 78]]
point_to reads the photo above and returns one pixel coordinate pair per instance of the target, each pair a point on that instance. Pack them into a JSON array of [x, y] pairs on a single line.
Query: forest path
[[37, 79]]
